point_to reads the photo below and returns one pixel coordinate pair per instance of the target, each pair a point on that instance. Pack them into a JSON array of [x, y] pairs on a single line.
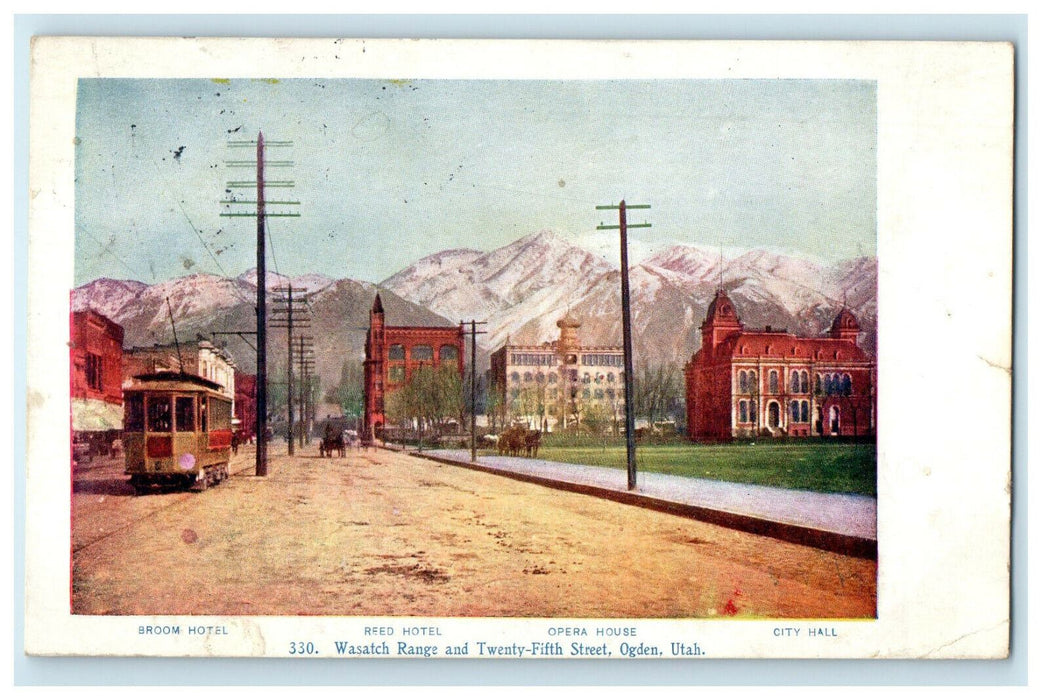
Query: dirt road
[[379, 534]]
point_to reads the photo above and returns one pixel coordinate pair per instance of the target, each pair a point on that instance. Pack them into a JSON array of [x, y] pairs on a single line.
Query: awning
[[92, 415]]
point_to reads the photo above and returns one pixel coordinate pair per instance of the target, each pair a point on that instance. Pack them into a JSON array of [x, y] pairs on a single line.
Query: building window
[[449, 353], [93, 370], [396, 375], [599, 378], [515, 377], [819, 384], [422, 353], [599, 393], [743, 382], [846, 385], [586, 393], [804, 411], [552, 378], [795, 412], [795, 382], [743, 412], [773, 415], [570, 359], [611, 377], [586, 378], [773, 382], [804, 382], [396, 352], [528, 376], [835, 385], [753, 411]]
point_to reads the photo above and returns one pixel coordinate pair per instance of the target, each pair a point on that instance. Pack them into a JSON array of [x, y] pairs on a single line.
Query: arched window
[[396, 352], [795, 412], [449, 353], [742, 382], [422, 353], [586, 378], [599, 393], [846, 385], [804, 411], [599, 378], [528, 376], [804, 382], [743, 412], [515, 377], [773, 382], [795, 382], [586, 393], [753, 411], [752, 381], [835, 385], [611, 377], [773, 414], [540, 377], [819, 384], [552, 378]]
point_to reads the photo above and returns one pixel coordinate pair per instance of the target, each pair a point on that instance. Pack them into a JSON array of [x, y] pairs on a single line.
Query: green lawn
[[830, 467]]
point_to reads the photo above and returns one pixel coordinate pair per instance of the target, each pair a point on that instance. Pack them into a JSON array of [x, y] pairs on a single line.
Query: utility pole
[[291, 313], [473, 381], [259, 184], [628, 363], [305, 359]]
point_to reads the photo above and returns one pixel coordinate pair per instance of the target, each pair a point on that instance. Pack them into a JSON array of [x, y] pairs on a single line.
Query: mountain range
[[520, 289]]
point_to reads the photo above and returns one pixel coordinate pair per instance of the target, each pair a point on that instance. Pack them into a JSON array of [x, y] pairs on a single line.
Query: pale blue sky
[[390, 171]]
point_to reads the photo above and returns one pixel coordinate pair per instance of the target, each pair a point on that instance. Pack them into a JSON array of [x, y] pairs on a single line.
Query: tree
[[349, 393], [657, 390], [431, 396]]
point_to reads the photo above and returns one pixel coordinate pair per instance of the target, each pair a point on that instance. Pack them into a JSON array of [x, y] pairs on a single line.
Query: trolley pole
[[628, 364]]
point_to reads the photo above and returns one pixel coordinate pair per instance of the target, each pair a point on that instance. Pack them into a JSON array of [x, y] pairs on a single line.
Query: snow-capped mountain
[[521, 290], [468, 284]]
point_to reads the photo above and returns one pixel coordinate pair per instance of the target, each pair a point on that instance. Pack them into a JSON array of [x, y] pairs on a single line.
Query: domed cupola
[[845, 325], [722, 310], [569, 341], [721, 321]]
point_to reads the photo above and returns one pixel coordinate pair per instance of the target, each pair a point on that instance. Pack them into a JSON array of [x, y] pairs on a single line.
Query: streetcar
[[178, 429]]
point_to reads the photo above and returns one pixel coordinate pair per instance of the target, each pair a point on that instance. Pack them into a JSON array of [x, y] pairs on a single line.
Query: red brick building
[[392, 353], [744, 383], [244, 403], [96, 352]]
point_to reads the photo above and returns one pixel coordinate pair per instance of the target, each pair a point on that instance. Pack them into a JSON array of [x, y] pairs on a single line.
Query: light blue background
[[109, 671]]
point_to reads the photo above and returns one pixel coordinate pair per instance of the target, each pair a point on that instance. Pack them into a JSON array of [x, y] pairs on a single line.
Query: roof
[[377, 305], [166, 377], [765, 344]]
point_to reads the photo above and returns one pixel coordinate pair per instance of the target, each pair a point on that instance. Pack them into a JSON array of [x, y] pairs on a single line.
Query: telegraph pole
[[259, 185], [473, 382], [304, 355], [628, 363], [290, 314]]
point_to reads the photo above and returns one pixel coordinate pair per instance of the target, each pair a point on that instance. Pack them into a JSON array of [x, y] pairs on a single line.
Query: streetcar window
[[158, 409], [184, 409], [221, 414], [133, 413], [203, 415]]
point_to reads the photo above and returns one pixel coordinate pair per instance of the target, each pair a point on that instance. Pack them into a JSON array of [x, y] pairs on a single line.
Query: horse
[[531, 443], [332, 442]]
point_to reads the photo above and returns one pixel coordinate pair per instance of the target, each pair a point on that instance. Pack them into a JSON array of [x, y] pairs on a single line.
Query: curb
[[836, 542]]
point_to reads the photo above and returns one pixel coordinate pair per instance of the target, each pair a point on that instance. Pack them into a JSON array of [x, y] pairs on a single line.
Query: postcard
[[519, 349]]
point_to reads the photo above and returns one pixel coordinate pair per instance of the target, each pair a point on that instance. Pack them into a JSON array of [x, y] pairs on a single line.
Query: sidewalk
[[842, 523]]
